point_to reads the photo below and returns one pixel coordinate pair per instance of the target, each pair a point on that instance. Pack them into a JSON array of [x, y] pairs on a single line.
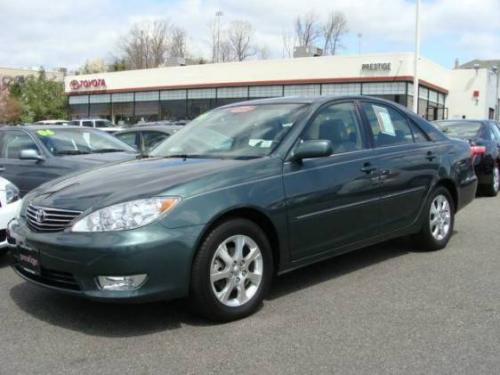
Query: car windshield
[[246, 131], [460, 129], [64, 141]]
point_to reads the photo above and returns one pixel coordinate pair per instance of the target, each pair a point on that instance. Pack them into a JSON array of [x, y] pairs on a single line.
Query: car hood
[[130, 180]]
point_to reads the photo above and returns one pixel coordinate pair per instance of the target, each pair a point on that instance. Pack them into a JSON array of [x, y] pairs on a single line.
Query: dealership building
[[183, 92]]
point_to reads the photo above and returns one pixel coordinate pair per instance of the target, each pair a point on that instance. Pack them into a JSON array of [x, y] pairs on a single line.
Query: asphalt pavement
[[381, 310]]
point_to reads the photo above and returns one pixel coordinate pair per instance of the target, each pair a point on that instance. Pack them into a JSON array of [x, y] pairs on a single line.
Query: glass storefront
[[182, 104]]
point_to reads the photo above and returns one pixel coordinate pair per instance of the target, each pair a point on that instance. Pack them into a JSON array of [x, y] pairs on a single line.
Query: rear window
[[460, 129]]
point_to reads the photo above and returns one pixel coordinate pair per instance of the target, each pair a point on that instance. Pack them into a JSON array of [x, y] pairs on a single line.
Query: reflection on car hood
[[96, 159], [125, 181]]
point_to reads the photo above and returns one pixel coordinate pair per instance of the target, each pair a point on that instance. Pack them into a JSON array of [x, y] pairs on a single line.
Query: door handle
[[368, 168], [430, 156]]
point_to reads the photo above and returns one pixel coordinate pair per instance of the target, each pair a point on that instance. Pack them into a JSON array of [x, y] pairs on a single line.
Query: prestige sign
[[376, 67], [87, 83]]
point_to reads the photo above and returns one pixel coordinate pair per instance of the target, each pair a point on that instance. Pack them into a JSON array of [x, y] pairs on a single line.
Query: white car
[[10, 204]]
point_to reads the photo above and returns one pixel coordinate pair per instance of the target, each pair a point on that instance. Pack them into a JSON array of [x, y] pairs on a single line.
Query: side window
[[128, 138], [388, 126], [152, 139], [74, 122], [339, 124], [418, 135], [87, 124], [496, 132], [15, 142]]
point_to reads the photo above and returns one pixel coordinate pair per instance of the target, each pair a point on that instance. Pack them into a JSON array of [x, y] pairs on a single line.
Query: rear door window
[[87, 124], [152, 139], [389, 127], [129, 138]]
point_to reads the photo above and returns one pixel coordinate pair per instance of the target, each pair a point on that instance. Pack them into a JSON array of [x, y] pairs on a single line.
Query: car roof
[[310, 100], [55, 127]]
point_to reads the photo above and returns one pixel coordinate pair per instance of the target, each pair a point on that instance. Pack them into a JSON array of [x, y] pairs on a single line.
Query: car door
[[25, 174], [408, 160], [332, 201]]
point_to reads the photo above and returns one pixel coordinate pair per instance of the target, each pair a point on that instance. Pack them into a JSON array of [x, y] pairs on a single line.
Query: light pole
[[218, 15], [360, 35], [416, 57]]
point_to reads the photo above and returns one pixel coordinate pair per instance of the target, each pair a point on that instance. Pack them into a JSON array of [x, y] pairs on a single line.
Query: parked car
[[243, 192], [479, 133], [33, 155], [145, 138], [97, 123], [10, 204], [52, 122]]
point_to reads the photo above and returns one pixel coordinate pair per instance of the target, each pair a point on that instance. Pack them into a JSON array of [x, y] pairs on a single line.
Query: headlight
[[123, 216], [12, 193]]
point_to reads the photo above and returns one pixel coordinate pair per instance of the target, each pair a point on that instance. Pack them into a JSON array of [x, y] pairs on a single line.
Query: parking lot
[[384, 309]]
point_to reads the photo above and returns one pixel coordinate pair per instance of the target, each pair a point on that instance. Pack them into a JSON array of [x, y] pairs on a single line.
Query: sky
[[66, 33]]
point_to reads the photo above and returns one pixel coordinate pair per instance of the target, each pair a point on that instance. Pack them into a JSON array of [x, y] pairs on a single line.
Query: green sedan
[[243, 193]]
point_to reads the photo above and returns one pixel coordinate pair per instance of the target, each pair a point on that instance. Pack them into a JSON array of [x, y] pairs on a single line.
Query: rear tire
[[232, 271], [491, 190], [439, 219]]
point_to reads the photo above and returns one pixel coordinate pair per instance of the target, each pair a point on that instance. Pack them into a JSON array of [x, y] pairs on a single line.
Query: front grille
[[53, 278], [43, 219]]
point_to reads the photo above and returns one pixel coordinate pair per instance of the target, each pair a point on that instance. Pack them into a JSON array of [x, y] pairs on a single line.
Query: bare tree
[[178, 43], [146, 44], [333, 30], [239, 37], [225, 51], [307, 29]]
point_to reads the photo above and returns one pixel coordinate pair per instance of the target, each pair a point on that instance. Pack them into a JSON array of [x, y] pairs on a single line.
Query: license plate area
[[29, 259]]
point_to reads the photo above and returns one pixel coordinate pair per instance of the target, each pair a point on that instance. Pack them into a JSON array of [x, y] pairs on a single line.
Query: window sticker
[[46, 133], [262, 143], [384, 120]]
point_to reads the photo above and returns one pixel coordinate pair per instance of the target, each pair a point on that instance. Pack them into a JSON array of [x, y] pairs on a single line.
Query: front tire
[[232, 271], [439, 219]]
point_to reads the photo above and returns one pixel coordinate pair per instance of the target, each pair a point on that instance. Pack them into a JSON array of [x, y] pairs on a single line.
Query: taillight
[[477, 151]]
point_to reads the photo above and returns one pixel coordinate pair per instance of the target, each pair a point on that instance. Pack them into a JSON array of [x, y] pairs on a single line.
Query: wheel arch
[[450, 185], [253, 214]]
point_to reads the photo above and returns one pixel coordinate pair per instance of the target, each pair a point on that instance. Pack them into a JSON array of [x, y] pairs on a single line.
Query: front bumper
[[70, 262]]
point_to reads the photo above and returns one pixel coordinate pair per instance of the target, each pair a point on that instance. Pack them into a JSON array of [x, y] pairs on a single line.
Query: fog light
[[122, 283]]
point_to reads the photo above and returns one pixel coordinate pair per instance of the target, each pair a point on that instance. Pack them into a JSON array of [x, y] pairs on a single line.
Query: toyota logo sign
[[87, 83]]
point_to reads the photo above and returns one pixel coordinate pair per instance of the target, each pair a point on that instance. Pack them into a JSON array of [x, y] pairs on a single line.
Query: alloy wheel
[[496, 179], [440, 217], [236, 270]]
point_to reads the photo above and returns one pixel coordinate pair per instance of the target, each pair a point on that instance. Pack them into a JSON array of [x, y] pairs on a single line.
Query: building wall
[[464, 83]]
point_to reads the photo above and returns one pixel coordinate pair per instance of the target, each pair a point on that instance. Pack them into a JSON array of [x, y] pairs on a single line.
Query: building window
[[122, 98], [201, 94], [384, 88], [302, 90], [173, 95], [232, 92], [147, 111], [103, 98], [341, 89], [79, 110], [198, 106], [80, 99], [265, 91], [173, 110], [149, 96], [100, 110]]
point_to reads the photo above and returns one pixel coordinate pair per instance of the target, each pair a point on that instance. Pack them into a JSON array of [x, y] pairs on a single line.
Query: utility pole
[[416, 57], [218, 15], [497, 100]]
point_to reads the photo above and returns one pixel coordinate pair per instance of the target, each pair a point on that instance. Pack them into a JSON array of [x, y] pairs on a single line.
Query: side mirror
[[30, 155], [312, 149]]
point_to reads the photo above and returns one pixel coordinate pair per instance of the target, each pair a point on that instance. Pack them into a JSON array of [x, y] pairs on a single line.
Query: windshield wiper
[[104, 150], [71, 152]]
